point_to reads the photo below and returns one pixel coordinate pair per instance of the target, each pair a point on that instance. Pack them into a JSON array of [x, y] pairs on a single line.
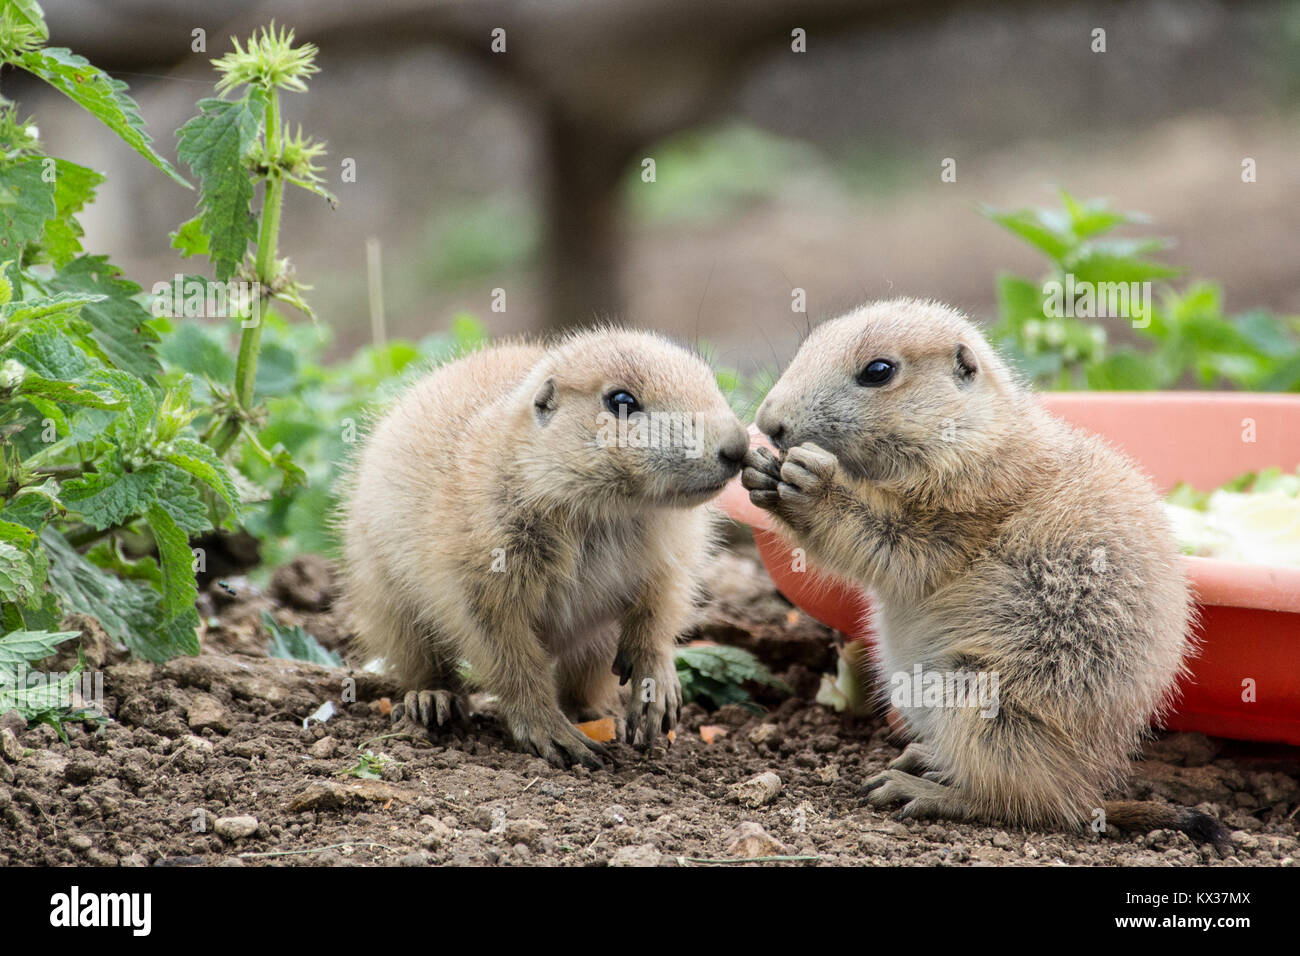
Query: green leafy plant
[[293, 643], [103, 475], [49, 698], [1179, 337], [234, 145], [715, 674]]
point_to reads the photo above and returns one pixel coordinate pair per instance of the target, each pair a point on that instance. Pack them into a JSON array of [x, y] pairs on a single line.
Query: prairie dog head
[[617, 416], [900, 391]]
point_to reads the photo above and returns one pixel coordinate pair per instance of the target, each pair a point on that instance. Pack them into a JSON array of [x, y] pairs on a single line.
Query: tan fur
[[994, 538], [496, 458]]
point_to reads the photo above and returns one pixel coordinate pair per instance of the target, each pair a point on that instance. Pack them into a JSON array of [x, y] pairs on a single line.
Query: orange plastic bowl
[[1246, 682]]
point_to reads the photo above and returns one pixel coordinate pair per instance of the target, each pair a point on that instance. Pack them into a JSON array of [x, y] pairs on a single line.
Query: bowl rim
[[1265, 587]]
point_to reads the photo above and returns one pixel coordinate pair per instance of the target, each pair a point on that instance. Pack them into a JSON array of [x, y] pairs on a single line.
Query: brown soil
[[197, 741]]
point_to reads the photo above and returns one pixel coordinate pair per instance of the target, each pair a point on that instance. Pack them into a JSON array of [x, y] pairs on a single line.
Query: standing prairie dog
[[995, 540], [537, 513]]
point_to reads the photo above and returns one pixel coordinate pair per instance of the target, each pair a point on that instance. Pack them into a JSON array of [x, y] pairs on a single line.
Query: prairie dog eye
[[876, 372], [622, 399]]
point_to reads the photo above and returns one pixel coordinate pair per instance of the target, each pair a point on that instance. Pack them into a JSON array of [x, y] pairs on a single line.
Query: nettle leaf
[[26, 204], [68, 393], [21, 575], [202, 462], [179, 497], [107, 499], [294, 644], [1038, 227], [119, 323], [99, 94], [138, 406], [190, 239], [45, 351], [27, 647], [179, 590], [127, 610], [74, 188], [33, 505], [43, 307], [214, 144]]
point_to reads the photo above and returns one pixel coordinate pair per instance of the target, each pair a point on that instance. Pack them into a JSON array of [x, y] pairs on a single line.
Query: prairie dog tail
[[1143, 815]]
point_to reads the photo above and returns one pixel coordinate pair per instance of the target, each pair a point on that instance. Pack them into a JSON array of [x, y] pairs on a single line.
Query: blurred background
[[774, 169]]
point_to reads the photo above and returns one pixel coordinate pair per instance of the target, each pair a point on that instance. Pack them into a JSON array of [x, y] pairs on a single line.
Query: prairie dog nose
[[732, 451]]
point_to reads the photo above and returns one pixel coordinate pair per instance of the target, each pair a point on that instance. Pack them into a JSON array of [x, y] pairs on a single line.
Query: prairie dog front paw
[[789, 487]]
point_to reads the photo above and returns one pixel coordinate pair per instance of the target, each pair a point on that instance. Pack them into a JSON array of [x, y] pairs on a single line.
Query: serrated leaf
[[20, 575], [1036, 227], [69, 393], [190, 239], [48, 353], [32, 506], [119, 323], [44, 307], [138, 406], [179, 590], [214, 145], [26, 204], [294, 644], [101, 95], [180, 498], [74, 189], [202, 462], [107, 499], [127, 610], [27, 647]]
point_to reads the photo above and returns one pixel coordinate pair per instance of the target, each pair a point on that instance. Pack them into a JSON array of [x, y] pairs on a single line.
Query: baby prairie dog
[[536, 511], [995, 540]]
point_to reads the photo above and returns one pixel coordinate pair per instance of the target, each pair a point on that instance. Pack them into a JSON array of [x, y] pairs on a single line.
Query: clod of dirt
[[323, 748], [306, 583], [207, 713], [769, 734], [644, 855], [332, 794], [758, 791], [527, 832], [13, 721], [749, 840], [235, 828], [94, 642], [10, 748]]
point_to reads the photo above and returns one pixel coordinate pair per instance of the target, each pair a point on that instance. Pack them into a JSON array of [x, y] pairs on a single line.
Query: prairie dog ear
[[544, 402], [965, 365]]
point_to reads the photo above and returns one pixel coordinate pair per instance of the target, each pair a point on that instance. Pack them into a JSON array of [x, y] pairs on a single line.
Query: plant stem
[[250, 338]]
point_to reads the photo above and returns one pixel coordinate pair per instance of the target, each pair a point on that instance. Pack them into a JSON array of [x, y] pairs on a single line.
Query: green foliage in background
[[46, 700], [101, 470], [120, 415], [715, 674], [1182, 337], [294, 644], [316, 411]]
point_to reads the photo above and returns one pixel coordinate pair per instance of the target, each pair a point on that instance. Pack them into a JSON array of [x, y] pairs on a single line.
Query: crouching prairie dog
[[995, 540], [537, 512]]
